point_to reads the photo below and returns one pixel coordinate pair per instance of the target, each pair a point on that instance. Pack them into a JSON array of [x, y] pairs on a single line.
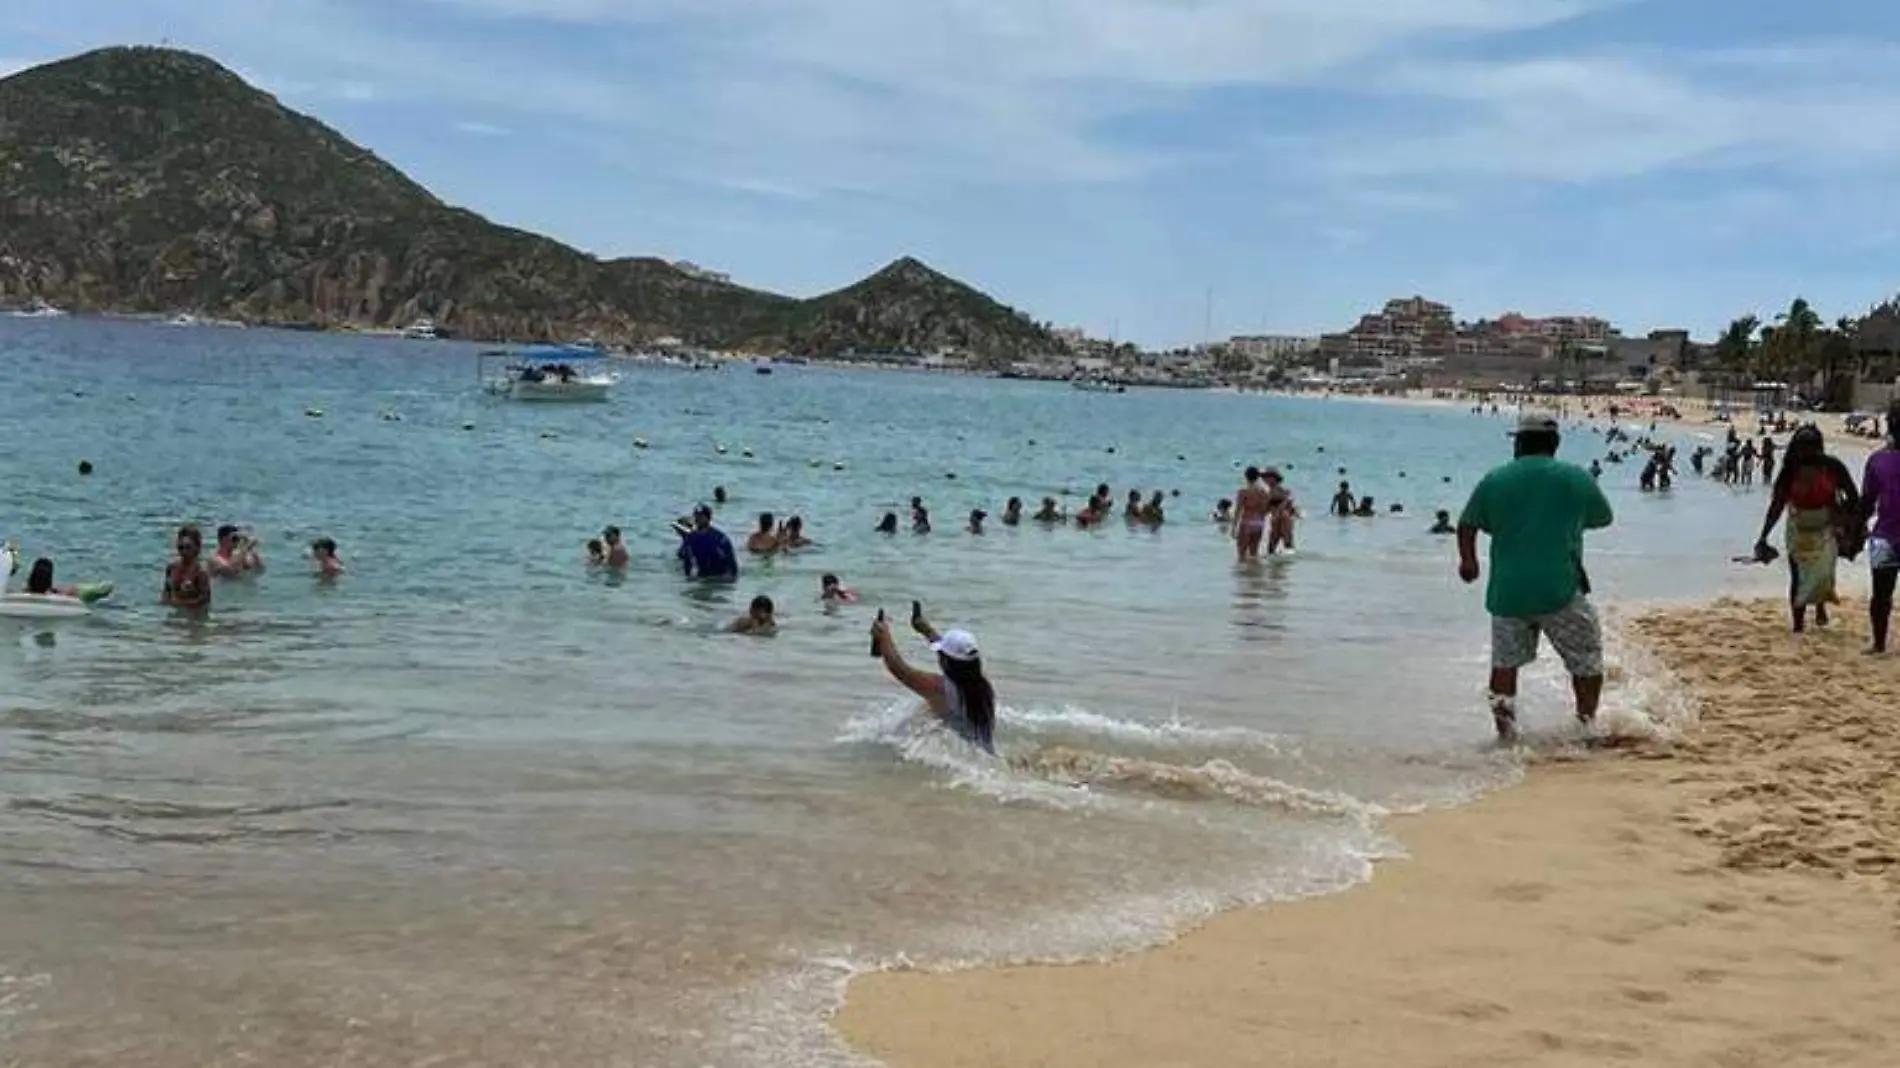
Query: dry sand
[[1725, 902]]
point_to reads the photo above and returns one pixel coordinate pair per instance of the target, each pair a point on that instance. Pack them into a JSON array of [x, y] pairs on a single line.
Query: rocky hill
[[153, 180]]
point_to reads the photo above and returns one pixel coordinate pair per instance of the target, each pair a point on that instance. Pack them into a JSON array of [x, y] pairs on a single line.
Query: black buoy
[[85, 467]]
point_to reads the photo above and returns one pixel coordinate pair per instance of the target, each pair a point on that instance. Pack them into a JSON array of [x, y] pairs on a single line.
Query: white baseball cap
[[955, 644], [1532, 422]]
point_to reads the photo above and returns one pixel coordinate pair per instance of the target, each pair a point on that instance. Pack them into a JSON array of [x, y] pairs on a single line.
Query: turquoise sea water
[[475, 803]]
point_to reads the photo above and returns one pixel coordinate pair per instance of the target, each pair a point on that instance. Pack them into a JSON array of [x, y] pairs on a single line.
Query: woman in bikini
[[187, 585], [1251, 506]]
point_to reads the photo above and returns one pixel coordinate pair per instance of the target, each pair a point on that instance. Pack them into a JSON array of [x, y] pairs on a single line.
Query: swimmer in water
[[236, 553], [597, 553], [1133, 512], [888, 524], [323, 555], [1223, 512], [977, 516], [1281, 512], [961, 698], [1013, 512], [792, 535], [719, 494], [765, 539], [919, 519], [1050, 513], [1252, 503], [1152, 513], [1343, 502], [758, 620], [187, 584], [39, 580], [1365, 509], [617, 556], [834, 593], [1442, 523]]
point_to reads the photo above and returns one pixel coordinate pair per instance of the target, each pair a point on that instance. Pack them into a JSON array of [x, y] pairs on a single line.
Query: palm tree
[[1734, 348], [1797, 341]]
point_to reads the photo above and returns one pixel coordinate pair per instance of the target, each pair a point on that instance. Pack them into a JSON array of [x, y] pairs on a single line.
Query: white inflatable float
[[18, 604], [41, 606]]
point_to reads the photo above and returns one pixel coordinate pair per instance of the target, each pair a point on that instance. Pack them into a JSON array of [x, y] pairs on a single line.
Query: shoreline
[[1728, 896]]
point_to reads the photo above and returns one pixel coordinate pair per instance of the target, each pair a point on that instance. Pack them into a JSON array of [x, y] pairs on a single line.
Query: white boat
[[763, 365], [1098, 385], [421, 330], [184, 319], [551, 373], [39, 309]]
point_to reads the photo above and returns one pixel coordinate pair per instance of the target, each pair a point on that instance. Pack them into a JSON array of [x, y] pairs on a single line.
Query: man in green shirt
[[1535, 509]]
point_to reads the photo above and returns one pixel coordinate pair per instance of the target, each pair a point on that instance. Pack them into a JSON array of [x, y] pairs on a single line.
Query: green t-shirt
[[1536, 509]]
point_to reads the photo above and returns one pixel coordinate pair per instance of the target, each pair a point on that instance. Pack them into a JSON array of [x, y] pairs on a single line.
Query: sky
[[1114, 164]]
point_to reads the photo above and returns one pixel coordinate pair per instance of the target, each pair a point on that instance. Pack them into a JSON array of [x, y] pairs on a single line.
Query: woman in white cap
[[961, 697]]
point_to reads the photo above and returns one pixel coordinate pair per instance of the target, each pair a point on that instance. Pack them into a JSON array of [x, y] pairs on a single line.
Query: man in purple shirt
[[1880, 492]]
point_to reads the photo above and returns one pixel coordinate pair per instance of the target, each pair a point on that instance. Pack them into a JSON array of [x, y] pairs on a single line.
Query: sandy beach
[[1725, 900]]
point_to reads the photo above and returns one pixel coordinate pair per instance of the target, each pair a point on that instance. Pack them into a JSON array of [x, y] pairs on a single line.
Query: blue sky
[[1108, 162]]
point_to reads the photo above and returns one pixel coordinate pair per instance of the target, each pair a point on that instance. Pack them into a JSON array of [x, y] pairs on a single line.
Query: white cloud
[[481, 129]]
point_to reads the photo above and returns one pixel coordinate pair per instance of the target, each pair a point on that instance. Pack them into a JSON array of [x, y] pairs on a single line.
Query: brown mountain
[[153, 180]]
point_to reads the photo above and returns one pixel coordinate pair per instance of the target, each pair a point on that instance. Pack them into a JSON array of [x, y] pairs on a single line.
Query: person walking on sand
[[1880, 501], [1536, 509], [1817, 492], [1251, 504]]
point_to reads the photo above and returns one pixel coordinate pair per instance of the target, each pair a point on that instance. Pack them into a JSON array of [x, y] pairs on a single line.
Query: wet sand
[[1727, 900]]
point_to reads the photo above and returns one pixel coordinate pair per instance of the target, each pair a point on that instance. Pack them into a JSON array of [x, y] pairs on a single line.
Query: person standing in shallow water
[[1880, 502], [1252, 503], [1536, 510]]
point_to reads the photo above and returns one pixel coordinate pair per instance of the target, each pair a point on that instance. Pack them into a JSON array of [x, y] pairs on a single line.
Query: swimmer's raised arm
[[922, 683]]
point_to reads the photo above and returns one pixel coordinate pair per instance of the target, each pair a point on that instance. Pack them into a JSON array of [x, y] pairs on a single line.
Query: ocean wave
[[1068, 777]]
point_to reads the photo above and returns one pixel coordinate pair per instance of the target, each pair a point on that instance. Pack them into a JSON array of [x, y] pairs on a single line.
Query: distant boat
[[1098, 385], [184, 319], [548, 373], [39, 309], [763, 365], [422, 329]]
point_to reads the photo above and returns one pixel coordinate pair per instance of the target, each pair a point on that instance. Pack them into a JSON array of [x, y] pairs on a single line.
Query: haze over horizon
[[1105, 163]]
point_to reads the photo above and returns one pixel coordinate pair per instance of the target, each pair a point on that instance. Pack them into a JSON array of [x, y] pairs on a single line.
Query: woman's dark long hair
[[40, 579], [979, 700]]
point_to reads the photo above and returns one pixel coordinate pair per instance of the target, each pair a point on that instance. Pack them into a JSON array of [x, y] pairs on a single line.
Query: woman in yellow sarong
[[1824, 522]]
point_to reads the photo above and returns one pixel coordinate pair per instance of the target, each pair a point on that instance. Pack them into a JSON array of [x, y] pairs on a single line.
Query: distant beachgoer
[[39, 581], [833, 592], [1441, 524], [1090, 515], [1013, 512], [1132, 511], [597, 552], [1817, 491], [977, 516], [1647, 480], [1880, 501], [1154, 513], [719, 494], [1768, 460], [1396, 509], [706, 552], [1252, 502], [1748, 464], [1536, 510], [187, 584], [919, 520], [323, 555], [1050, 513], [1223, 511], [758, 620], [1343, 502], [765, 538], [792, 534], [236, 553], [1103, 500], [961, 698], [1281, 512], [617, 556], [888, 524], [1365, 509]]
